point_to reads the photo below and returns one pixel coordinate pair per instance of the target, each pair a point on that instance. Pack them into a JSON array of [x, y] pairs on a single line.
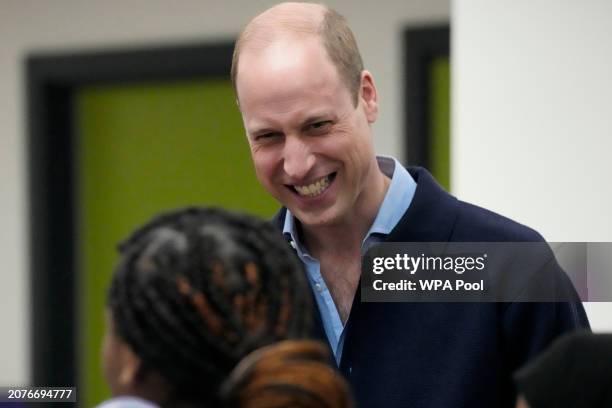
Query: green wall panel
[[439, 125], [143, 149]]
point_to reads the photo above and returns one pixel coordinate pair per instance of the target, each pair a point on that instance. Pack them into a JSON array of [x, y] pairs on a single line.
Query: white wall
[[532, 109], [30, 25]]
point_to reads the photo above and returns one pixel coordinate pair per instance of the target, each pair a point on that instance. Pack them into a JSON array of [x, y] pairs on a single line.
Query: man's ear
[[369, 96]]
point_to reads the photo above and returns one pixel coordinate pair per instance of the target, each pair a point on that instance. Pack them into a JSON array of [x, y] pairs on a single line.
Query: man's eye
[[319, 126], [266, 136]]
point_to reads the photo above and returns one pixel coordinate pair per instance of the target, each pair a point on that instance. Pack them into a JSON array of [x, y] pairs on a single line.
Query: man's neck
[[346, 235]]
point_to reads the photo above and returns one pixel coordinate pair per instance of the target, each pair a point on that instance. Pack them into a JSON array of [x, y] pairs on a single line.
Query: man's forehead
[[285, 69], [285, 77], [288, 79], [282, 51]]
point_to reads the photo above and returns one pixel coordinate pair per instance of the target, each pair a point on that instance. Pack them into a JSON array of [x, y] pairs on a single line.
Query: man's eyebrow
[[309, 120]]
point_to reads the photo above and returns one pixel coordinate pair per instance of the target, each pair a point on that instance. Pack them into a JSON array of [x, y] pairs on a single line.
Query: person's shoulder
[[434, 209], [127, 402], [476, 223]]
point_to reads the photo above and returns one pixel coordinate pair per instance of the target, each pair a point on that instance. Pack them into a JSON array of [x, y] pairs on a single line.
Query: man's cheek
[[266, 179]]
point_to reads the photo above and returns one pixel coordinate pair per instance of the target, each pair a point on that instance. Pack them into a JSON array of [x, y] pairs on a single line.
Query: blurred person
[[308, 106], [209, 308], [575, 372]]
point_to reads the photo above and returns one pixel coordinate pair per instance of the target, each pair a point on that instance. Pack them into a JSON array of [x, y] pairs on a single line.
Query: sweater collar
[[432, 214]]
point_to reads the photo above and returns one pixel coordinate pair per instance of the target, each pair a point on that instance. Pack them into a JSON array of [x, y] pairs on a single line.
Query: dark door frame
[[421, 46], [51, 82]]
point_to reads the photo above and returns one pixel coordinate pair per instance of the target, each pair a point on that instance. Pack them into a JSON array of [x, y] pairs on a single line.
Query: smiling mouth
[[315, 189]]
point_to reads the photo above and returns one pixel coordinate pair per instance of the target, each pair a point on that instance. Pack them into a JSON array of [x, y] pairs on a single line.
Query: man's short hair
[[337, 38]]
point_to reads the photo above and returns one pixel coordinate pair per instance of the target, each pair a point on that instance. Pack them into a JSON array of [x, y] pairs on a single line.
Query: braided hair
[[197, 289]]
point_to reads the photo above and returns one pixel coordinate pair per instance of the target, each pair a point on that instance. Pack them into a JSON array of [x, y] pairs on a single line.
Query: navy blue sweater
[[442, 355]]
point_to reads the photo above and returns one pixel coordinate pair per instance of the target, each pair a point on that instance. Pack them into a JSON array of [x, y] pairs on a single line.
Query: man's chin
[[314, 220]]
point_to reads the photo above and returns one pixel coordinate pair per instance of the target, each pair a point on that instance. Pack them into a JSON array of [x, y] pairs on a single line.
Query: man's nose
[[298, 159]]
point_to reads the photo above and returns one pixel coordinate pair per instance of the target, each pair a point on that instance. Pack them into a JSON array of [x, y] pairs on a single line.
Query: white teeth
[[314, 189]]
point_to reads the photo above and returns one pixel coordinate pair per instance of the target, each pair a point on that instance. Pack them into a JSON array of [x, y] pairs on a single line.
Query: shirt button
[[318, 287]]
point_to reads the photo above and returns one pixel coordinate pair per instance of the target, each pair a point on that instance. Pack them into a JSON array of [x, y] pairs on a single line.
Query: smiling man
[[311, 141], [308, 107]]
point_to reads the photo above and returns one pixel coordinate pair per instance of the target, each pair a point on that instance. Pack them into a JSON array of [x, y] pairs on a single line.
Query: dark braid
[[197, 289]]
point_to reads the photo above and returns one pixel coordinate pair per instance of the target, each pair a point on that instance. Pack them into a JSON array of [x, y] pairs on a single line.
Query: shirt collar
[[396, 202], [397, 199]]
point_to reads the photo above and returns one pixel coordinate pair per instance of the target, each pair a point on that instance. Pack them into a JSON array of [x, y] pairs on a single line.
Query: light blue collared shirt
[[396, 202]]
